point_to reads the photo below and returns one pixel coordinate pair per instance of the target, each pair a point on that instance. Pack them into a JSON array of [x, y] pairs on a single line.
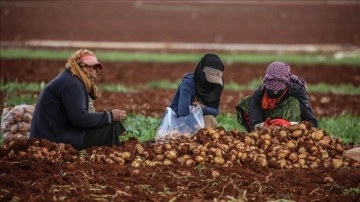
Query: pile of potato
[[297, 146], [16, 121]]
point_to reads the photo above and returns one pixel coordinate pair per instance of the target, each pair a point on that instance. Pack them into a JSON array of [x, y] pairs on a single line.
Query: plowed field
[[45, 171]]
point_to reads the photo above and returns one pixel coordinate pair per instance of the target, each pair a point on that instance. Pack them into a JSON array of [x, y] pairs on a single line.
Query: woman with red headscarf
[[281, 99], [65, 113]]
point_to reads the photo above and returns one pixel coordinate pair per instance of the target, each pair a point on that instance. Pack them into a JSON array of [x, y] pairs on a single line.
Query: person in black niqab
[[204, 86]]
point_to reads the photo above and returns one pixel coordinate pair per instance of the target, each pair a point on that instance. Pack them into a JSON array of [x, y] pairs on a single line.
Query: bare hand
[[118, 115], [195, 103]]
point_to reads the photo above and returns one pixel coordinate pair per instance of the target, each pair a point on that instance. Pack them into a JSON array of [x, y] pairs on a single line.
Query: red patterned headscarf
[[278, 77]]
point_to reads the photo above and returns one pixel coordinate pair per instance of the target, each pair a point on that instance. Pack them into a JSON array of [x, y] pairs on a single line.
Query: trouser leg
[[210, 121], [107, 135]]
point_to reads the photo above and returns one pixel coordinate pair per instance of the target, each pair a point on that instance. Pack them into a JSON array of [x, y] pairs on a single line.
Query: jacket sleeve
[[185, 98], [74, 101], [255, 111], [210, 111], [307, 113]]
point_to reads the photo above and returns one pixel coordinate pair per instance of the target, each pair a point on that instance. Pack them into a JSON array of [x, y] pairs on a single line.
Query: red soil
[[26, 179]]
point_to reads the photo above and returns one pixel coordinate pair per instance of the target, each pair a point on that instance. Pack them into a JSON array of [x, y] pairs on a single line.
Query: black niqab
[[208, 93]]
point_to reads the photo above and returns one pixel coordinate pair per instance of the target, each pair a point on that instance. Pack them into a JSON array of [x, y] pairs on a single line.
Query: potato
[[302, 150], [311, 158], [283, 153], [109, 161], [180, 160], [199, 159], [167, 146], [302, 162], [171, 155], [265, 137], [23, 127], [209, 158], [215, 173], [263, 162], [328, 179], [8, 136], [283, 133], [215, 135], [218, 152], [271, 154], [168, 162], [325, 140], [159, 157], [314, 150], [228, 164], [17, 113], [336, 163], [158, 149], [314, 165], [189, 162], [120, 161], [249, 141], [291, 144], [253, 135], [317, 135], [302, 126], [296, 133], [223, 147], [27, 117], [219, 160], [135, 164], [14, 128], [196, 151], [302, 156], [293, 157], [339, 147], [324, 154], [326, 164], [125, 155], [139, 148], [282, 163]]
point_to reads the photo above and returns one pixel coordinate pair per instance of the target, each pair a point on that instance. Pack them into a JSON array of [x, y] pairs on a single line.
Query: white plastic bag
[[16, 121], [172, 127]]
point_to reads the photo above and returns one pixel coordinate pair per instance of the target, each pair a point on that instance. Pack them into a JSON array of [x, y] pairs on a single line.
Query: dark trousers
[[107, 135]]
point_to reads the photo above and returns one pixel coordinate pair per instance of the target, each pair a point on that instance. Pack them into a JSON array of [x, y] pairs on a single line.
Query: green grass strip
[[228, 58], [345, 126], [141, 127]]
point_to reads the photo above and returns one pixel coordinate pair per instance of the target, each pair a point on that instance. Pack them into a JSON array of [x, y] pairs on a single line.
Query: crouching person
[[281, 100], [204, 86]]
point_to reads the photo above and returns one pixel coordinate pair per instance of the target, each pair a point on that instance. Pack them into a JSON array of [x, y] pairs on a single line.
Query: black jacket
[[61, 112]]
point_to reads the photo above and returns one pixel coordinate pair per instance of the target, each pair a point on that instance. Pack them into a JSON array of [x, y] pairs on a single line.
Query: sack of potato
[[16, 121]]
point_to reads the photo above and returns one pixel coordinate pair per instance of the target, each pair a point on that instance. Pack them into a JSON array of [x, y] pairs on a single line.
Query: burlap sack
[[354, 153]]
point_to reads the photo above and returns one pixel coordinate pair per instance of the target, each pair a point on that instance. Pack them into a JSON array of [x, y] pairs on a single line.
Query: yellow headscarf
[[74, 67]]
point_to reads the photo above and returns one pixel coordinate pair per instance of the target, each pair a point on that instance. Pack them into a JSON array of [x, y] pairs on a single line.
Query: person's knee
[[210, 121]]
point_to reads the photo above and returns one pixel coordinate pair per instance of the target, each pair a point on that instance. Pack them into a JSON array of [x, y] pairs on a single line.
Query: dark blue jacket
[[297, 91], [61, 112], [184, 97]]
